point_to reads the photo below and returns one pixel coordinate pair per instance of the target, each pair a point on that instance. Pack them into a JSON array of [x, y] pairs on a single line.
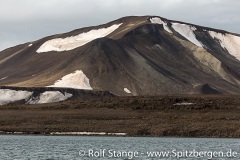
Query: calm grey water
[[102, 148]]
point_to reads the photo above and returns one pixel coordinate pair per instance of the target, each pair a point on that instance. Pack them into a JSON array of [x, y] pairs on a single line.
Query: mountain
[[146, 55]]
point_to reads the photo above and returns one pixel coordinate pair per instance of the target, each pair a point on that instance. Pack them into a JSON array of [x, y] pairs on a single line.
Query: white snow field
[[70, 43], [187, 32], [228, 41], [8, 96], [77, 80], [50, 97], [158, 20]]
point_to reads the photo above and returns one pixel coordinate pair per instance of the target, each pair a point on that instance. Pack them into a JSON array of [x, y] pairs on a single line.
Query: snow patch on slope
[[8, 96], [50, 97], [158, 20], [70, 43], [229, 42], [3, 78], [76, 80], [127, 90], [187, 32]]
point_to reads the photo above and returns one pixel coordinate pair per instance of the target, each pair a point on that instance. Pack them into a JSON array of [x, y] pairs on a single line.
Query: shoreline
[[106, 135], [65, 133]]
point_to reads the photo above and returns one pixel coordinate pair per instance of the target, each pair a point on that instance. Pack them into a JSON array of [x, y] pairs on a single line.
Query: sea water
[[118, 148]]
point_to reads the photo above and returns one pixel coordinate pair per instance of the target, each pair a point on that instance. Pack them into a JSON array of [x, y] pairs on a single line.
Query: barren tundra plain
[[158, 116]]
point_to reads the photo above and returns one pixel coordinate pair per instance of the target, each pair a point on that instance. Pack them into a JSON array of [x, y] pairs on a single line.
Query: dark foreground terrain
[[180, 116]]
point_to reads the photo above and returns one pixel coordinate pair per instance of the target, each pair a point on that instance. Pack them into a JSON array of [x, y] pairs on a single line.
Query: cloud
[[28, 20]]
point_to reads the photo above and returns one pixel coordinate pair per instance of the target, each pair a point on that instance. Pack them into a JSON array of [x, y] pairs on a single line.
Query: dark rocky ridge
[[139, 55]]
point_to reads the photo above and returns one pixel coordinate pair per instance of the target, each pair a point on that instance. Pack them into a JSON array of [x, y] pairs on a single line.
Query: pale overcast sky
[[28, 20]]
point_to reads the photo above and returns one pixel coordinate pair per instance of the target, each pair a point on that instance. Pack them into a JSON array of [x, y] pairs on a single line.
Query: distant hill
[[146, 55]]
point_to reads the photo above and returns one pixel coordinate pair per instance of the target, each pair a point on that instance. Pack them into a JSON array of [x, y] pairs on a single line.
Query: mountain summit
[[147, 55]]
